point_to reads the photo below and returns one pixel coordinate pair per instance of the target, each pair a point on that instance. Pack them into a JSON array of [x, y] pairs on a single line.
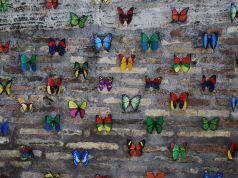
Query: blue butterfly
[[213, 40], [84, 157], [4, 127], [234, 101], [218, 175], [105, 43]]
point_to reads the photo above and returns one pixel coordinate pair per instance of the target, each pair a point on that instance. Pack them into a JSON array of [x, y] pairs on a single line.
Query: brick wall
[[29, 25]]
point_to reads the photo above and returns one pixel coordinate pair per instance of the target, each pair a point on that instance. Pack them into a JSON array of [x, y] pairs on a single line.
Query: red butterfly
[[53, 86], [208, 83], [182, 100], [158, 175], [100, 176], [52, 3], [179, 17], [4, 48], [125, 17], [135, 149]]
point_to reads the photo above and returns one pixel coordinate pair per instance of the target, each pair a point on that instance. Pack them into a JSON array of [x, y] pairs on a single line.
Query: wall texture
[[29, 25]]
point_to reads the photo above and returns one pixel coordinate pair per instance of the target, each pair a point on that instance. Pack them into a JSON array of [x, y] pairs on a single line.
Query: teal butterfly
[[26, 63], [134, 102]]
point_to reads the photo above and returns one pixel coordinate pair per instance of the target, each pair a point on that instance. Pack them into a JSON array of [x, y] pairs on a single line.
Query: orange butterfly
[[52, 3], [179, 17]]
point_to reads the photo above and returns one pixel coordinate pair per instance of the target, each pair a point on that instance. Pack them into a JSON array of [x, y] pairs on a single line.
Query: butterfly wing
[[82, 107], [122, 15], [76, 69], [150, 125], [6, 47], [5, 128], [129, 15], [85, 158], [214, 123], [108, 123], [106, 2], [4, 5], [58, 86], [8, 87], [219, 175], [57, 121], [61, 47], [212, 82], [74, 108], [55, 4], [109, 81], [1, 88], [160, 175], [33, 63], [154, 41], [233, 103], [125, 102], [123, 61], [176, 65], [50, 86], [150, 175], [99, 123], [76, 157], [131, 147], [183, 101], [159, 124], [107, 42], [183, 15], [231, 152], [135, 102], [74, 19], [205, 40], [175, 15], [144, 42], [183, 152], [186, 63], [52, 46], [131, 60], [82, 21], [49, 4], [205, 123], [206, 174], [173, 98], [175, 151], [232, 12], [139, 147], [48, 123], [98, 43], [23, 107], [24, 63], [213, 41]]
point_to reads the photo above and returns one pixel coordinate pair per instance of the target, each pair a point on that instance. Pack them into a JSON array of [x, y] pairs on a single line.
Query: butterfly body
[[178, 150], [27, 64], [52, 3], [80, 157], [158, 175], [76, 20], [126, 62], [104, 123], [75, 108], [78, 70], [52, 123], [3, 5], [150, 43], [103, 44], [56, 45], [179, 17], [210, 124], [152, 83], [26, 152], [53, 86], [24, 106], [212, 40], [125, 17], [182, 100], [135, 149], [4, 48], [208, 83], [183, 64], [105, 81], [6, 88], [156, 124], [134, 102], [4, 128], [52, 175]]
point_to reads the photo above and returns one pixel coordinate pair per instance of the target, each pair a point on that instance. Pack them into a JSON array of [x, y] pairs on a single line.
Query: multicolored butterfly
[[4, 48], [126, 62], [231, 152], [158, 175], [26, 63], [52, 175], [106, 2], [78, 70], [179, 17], [210, 124], [135, 149], [105, 81], [26, 152], [218, 175], [183, 64], [56, 45], [51, 122], [3, 5], [125, 17], [76, 20], [103, 44], [209, 84], [234, 102], [6, 88], [182, 100], [212, 40], [152, 83], [178, 150], [25, 106], [75, 109], [233, 12], [155, 124], [133, 103], [52, 3], [83, 157], [4, 128], [104, 123], [53, 86], [150, 43], [100, 176]]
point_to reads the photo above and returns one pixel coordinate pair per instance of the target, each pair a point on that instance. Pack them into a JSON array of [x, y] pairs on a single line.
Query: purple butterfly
[[105, 81]]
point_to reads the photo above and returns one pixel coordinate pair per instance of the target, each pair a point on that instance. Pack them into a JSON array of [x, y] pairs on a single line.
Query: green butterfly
[[51, 122], [76, 20], [26, 64], [157, 124], [212, 124], [233, 12], [178, 150], [150, 43], [3, 5], [134, 102]]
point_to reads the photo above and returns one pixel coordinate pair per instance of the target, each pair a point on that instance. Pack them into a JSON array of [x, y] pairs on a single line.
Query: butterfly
[[6, 88], [155, 124], [158, 175], [218, 175], [26, 63], [25, 106], [3, 5], [183, 64], [78, 70], [75, 109], [4, 48], [106, 2], [182, 100], [208, 83], [178, 150], [233, 12], [52, 3], [134, 102], [52, 175], [150, 43], [105, 43], [100, 176], [56, 45], [126, 61], [212, 124], [84, 157], [213, 40], [51, 122], [231, 152], [53, 86], [152, 83], [125, 17], [104, 123], [4, 128], [26, 152], [105, 81], [179, 17], [76, 20], [234, 101], [135, 149]]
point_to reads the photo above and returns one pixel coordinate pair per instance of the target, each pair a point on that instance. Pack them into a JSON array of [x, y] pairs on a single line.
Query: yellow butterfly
[[25, 106], [106, 2], [126, 61], [6, 88]]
